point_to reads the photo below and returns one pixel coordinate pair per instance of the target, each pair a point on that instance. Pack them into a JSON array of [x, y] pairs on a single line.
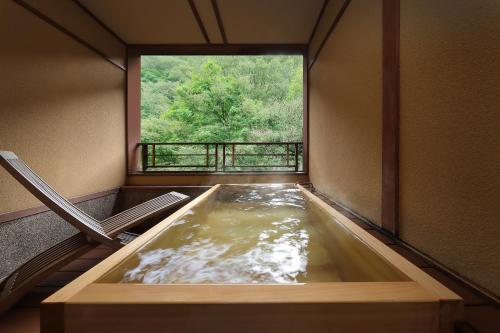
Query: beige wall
[[450, 125], [346, 111], [450, 134], [62, 110]]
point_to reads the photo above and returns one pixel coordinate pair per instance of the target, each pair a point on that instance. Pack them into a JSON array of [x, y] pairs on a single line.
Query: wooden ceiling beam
[[68, 33], [197, 16], [332, 27], [99, 21], [320, 16], [217, 49], [219, 21]]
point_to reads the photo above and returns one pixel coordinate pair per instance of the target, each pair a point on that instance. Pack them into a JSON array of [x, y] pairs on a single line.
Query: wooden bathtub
[[415, 303]]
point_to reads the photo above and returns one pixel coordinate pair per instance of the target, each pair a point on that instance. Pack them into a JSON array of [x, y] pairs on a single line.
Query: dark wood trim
[[134, 52], [212, 175], [67, 32], [218, 49], [305, 114], [196, 15], [215, 6], [98, 20], [133, 119], [330, 30], [9, 216], [320, 16], [162, 188], [126, 111], [488, 295], [390, 115]]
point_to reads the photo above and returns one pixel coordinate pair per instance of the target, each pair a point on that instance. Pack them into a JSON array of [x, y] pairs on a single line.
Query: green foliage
[[221, 98]]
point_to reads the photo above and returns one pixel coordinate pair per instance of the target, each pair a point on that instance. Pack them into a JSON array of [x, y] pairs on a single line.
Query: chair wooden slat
[[15, 285], [110, 232], [130, 217]]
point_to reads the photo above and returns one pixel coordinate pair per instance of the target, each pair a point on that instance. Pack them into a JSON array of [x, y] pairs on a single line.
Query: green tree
[[209, 104], [221, 98]]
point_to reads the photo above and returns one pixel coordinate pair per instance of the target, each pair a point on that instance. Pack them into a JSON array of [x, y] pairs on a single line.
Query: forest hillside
[[221, 98]]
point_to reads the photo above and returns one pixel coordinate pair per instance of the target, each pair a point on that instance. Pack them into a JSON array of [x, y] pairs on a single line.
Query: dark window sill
[[212, 174]]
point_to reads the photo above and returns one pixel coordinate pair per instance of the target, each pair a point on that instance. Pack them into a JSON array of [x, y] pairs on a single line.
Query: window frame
[[133, 85]]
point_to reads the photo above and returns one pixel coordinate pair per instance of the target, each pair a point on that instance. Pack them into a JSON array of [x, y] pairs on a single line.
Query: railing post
[[216, 157], [154, 155], [206, 151], [232, 155], [287, 154], [223, 157], [296, 157], [144, 157]]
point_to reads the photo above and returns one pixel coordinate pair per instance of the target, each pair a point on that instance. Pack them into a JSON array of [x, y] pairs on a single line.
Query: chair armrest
[[135, 215]]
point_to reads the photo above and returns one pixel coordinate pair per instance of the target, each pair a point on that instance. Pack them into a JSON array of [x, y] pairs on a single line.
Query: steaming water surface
[[253, 234]]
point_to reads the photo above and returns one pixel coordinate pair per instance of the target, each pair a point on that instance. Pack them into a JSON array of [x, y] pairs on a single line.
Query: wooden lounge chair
[[111, 231], [23, 279]]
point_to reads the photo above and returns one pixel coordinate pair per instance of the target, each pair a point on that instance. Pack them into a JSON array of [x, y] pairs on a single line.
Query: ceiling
[[196, 21]]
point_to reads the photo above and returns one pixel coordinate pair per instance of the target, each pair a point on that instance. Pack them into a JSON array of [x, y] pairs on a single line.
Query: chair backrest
[[61, 206]]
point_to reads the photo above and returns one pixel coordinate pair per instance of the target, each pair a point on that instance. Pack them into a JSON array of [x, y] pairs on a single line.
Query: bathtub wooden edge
[[71, 289], [451, 304], [306, 293]]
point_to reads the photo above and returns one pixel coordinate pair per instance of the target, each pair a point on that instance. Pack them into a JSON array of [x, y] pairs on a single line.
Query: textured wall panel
[[346, 111], [23, 238], [62, 110], [450, 142]]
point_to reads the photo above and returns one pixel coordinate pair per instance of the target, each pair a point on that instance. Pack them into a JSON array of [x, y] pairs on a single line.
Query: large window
[[222, 113]]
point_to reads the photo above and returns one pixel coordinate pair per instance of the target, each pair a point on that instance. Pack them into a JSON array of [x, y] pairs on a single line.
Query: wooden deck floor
[[481, 316]]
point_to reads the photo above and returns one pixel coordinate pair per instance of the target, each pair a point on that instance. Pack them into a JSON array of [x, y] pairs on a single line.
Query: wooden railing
[[214, 157]]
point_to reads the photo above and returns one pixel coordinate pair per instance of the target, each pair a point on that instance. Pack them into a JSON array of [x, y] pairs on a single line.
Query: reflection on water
[[248, 234]]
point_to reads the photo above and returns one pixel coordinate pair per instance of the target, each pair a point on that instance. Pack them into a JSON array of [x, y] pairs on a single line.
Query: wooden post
[[232, 154], [296, 157], [216, 157], [223, 157], [144, 157], [133, 130], [390, 116], [287, 154], [207, 156], [154, 155]]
